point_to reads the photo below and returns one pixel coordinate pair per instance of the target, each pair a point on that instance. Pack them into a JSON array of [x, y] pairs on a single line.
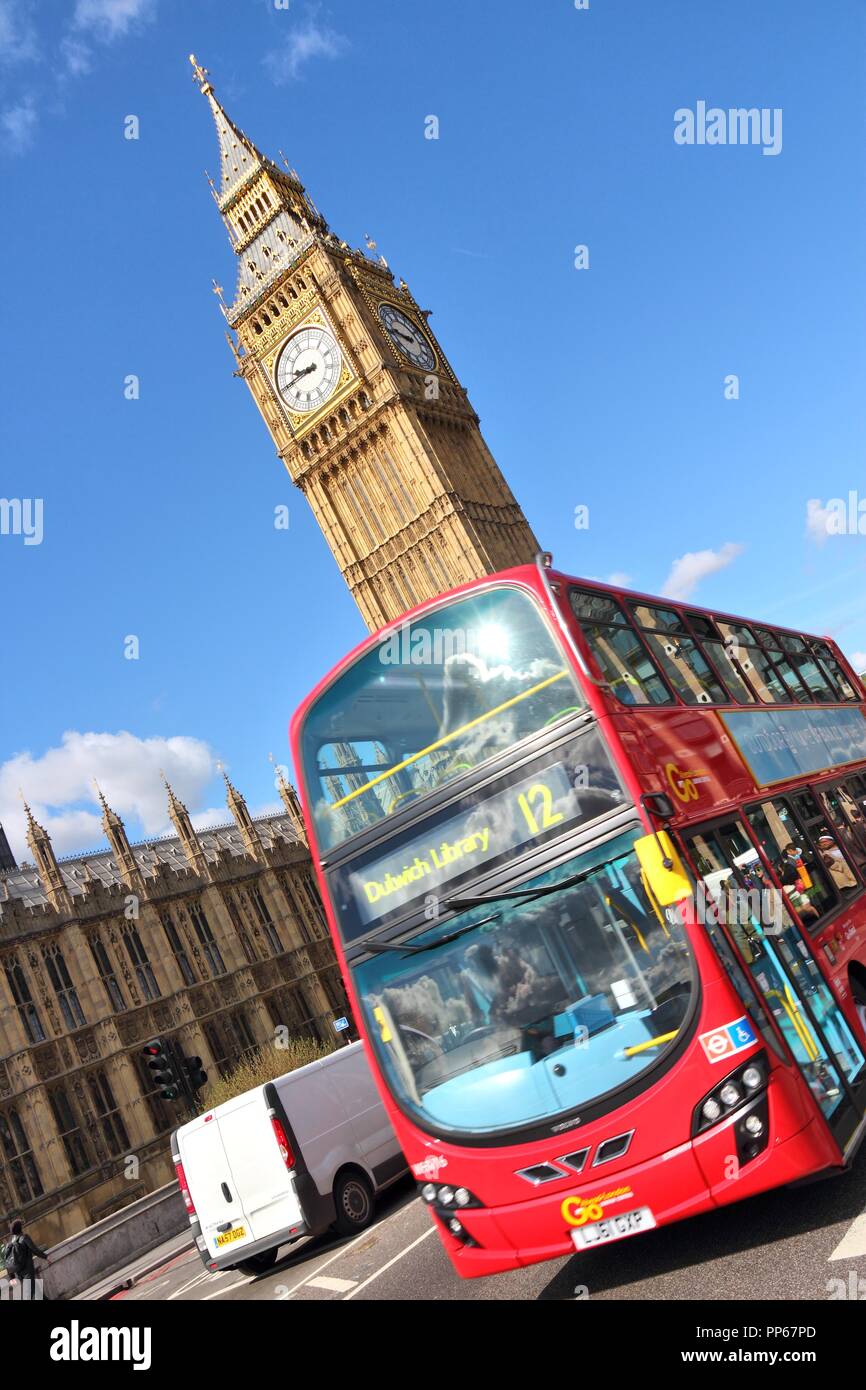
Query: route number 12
[[544, 816]]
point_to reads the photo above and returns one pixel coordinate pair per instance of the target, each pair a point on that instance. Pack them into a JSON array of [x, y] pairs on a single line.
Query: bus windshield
[[545, 1007], [432, 700]]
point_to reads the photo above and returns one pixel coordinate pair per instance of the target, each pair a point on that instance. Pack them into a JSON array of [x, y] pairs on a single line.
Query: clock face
[[407, 337], [308, 369]]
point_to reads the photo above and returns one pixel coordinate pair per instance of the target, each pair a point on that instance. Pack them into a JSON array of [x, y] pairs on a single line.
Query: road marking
[[431, 1231], [227, 1288], [853, 1243], [342, 1251], [335, 1285], [199, 1279], [365, 1235]]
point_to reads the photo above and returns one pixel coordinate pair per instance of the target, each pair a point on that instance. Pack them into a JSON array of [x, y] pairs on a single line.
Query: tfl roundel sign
[[725, 1041]]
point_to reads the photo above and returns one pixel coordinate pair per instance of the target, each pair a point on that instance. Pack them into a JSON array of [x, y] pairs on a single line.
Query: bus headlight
[[437, 1194], [442, 1198], [752, 1132], [734, 1091]]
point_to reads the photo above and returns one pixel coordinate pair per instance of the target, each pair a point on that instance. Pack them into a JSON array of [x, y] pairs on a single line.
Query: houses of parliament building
[[215, 938]]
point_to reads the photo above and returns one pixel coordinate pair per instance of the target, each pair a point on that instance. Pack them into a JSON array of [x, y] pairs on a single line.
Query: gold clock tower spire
[[362, 405]]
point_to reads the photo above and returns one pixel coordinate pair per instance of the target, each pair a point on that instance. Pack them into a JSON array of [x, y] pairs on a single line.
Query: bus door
[[735, 890]]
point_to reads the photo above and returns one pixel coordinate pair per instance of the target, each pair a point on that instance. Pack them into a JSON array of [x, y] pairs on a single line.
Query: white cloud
[[619, 579], [687, 572], [77, 55], [304, 42], [18, 126], [100, 21], [817, 518], [127, 769], [214, 815], [111, 19], [17, 34], [858, 661]]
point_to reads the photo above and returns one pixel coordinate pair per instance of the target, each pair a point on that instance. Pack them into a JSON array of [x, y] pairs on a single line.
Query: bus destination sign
[[507, 820]]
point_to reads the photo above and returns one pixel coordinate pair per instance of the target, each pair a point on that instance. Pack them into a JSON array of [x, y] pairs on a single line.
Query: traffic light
[[159, 1057], [196, 1075]]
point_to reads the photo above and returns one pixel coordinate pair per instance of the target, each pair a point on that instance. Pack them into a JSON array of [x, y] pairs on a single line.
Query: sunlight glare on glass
[[493, 641]]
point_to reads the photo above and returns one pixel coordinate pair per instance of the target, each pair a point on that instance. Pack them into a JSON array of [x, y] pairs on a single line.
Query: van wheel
[[353, 1199], [258, 1264]]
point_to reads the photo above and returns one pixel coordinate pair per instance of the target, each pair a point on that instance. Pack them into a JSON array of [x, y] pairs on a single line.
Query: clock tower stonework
[[361, 402]]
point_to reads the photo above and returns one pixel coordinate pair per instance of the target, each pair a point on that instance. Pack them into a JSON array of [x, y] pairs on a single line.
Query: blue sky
[[556, 129]]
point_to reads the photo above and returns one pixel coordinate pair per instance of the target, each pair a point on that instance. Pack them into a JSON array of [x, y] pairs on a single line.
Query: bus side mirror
[[668, 885]]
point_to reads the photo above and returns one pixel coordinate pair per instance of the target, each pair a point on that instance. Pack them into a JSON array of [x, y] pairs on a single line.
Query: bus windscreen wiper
[[407, 946], [526, 894]]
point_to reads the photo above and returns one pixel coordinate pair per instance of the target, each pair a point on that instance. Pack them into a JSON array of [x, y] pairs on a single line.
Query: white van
[[287, 1159]]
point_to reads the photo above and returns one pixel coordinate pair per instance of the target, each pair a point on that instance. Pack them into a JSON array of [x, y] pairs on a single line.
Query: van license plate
[[227, 1237], [626, 1223]]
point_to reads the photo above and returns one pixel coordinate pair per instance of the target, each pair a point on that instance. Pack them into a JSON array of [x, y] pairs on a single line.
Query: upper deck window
[[841, 683], [623, 660], [767, 670], [679, 656], [811, 675], [722, 656], [434, 699]]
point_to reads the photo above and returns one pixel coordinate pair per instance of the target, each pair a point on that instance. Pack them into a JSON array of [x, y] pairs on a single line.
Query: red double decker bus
[[594, 864]]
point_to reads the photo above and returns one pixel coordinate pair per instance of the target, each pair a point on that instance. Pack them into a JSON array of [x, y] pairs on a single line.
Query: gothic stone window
[[20, 989], [178, 948], [219, 1046], [229, 1039], [107, 1112], [314, 902], [236, 914], [139, 960], [289, 1008], [334, 989], [61, 983], [206, 938], [240, 1031], [18, 1156], [69, 1129], [298, 906], [107, 974], [265, 922]]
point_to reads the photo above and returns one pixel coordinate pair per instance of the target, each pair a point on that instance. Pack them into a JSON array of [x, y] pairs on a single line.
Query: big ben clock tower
[[363, 407]]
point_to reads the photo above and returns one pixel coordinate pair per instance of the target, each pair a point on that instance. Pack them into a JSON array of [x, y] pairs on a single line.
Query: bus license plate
[[227, 1237], [626, 1223]]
